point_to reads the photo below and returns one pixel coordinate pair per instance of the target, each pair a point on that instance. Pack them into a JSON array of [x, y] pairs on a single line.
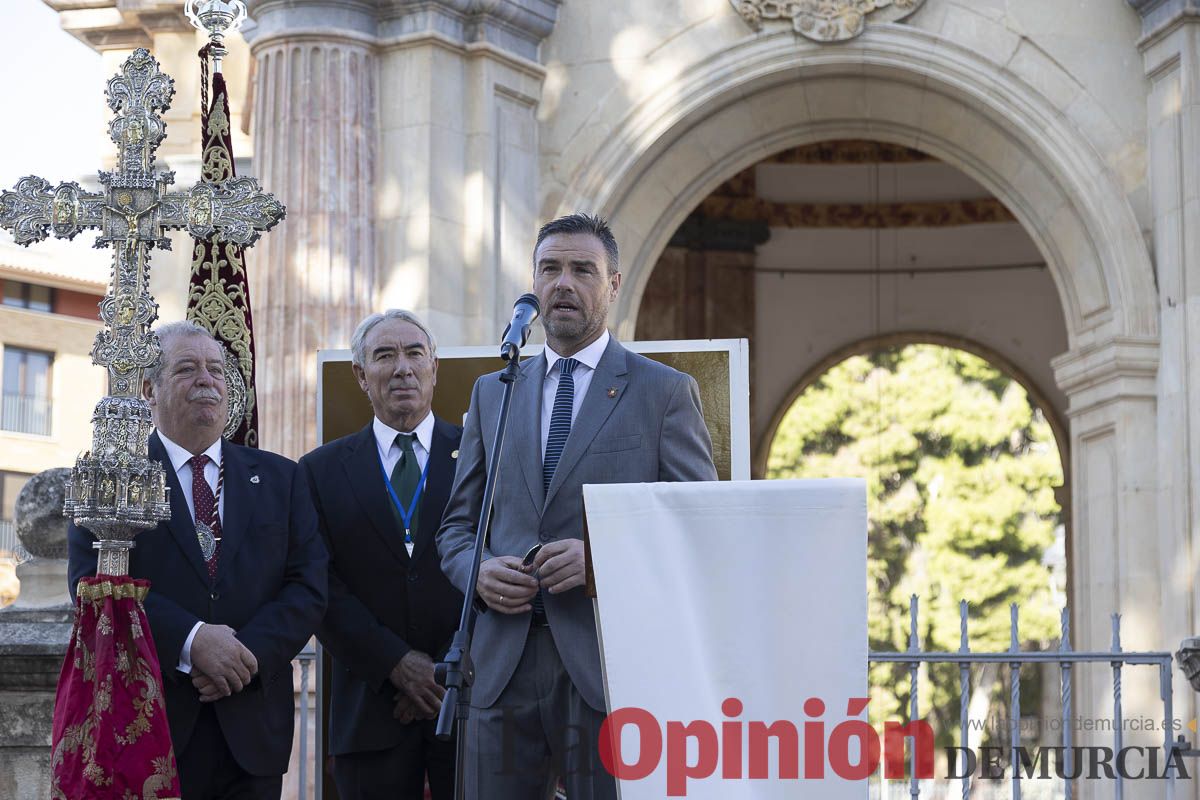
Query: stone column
[[402, 135], [34, 633], [1171, 55], [315, 105], [457, 189], [1115, 566]]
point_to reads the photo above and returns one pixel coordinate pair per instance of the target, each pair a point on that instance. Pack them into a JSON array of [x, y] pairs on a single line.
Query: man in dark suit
[[379, 495], [584, 411], [228, 618]]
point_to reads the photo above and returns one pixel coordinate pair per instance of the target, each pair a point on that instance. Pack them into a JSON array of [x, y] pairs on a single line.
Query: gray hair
[[358, 342], [169, 332]]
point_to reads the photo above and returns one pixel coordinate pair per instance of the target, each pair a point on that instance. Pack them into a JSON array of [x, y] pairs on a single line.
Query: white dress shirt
[[389, 451], [181, 463], [588, 358]]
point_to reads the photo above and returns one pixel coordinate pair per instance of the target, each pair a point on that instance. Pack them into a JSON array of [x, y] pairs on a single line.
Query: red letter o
[[650, 745]]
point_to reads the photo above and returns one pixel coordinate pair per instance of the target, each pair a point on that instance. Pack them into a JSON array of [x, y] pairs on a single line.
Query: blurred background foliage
[[961, 468]]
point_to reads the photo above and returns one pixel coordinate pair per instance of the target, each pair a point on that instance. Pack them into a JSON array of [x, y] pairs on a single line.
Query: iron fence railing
[[934, 789], [1066, 659], [306, 756]]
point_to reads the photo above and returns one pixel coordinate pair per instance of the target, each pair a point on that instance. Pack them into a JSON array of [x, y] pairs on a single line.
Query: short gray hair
[[358, 342], [169, 332]]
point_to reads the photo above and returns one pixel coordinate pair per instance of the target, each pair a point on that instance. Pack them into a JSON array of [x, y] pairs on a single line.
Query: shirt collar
[[385, 435], [588, 356], [180, 456]]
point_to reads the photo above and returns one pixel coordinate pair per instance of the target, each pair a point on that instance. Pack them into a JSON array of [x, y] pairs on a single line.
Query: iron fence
[[306, 756], [1066, 659]]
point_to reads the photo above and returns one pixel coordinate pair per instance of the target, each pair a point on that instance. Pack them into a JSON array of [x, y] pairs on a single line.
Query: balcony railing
[[25, 414], [10, 545]]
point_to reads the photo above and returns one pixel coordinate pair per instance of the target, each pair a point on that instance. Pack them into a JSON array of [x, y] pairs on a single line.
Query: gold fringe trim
[[92, 592]]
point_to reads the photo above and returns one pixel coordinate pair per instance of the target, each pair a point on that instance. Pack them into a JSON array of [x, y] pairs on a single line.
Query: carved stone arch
[[896, 84], [646, 166]]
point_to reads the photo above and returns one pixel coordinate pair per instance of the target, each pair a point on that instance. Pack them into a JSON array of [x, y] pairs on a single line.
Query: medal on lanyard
[[204, 529], [406, 514]]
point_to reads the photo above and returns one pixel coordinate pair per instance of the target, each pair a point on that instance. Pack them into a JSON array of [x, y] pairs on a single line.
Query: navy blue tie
[[560, 429], [560, 419]]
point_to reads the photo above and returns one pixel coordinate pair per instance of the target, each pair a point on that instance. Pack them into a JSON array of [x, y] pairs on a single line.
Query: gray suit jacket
[[640, 422]]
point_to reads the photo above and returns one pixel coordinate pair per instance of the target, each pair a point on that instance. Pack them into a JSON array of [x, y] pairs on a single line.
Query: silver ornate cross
[[115, 489], [132, 214]]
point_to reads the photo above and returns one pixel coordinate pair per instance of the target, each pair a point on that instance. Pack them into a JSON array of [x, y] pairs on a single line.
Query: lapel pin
[[454, 454], [254, 479], [612, 391]]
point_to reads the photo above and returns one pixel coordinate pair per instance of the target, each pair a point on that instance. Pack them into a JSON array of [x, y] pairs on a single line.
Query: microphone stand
[[456, 671]]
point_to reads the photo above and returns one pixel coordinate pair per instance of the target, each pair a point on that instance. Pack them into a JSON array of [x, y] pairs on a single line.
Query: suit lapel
[[437, 488], [597, 406], [365, 477], [240, 502], [525, 425], [182, 526]]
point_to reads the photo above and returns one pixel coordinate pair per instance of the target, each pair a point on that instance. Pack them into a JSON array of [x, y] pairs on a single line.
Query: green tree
[[960, 469]]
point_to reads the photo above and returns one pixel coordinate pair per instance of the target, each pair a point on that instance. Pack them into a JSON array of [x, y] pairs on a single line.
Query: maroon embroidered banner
[[219, 291], [110, 736]]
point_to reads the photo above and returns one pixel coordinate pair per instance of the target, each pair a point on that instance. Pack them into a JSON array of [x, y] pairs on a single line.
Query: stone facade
[[419, 144], [350, 97]]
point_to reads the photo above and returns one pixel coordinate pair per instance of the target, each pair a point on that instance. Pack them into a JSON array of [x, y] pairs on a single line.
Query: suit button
[[412, 577], [214, 596], [545, 537]]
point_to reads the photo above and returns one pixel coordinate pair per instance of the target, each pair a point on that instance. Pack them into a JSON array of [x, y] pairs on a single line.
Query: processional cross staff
[[110, 670], [132, 212]]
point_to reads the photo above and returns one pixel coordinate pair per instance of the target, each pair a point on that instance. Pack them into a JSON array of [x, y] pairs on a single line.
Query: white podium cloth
[[753, 590]]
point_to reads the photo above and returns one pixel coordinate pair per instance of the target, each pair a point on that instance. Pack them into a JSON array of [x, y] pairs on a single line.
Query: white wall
[[803, 319]]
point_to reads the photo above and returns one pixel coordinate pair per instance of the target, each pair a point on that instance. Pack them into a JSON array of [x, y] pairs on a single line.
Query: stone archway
[[898, 85], [908, 87], [1036, 393]]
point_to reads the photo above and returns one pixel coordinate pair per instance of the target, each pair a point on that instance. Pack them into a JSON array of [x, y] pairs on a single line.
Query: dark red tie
[[206, 509]]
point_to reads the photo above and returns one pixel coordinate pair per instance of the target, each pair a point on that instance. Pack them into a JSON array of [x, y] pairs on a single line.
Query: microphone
[[525, 311]]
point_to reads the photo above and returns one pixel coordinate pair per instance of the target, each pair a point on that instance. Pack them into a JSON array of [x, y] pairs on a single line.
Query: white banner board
[[753, 591]]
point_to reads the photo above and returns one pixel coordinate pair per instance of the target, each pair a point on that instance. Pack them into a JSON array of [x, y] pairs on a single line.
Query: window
[[18, 294], [11, 484], [26, 406]]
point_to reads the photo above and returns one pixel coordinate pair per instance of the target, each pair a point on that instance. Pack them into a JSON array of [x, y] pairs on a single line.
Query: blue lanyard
[[406, 514]]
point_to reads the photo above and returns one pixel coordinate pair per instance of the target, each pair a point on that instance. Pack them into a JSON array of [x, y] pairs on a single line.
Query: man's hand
[[218, 655], [560, 565], [405, 710], [504, 586], [414, 677], [206, 686]]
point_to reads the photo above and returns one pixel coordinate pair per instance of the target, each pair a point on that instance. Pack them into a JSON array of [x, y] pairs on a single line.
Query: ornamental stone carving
[[824, 20]]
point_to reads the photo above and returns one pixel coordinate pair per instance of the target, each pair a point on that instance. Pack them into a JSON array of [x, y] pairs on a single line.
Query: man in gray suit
[[585, 411]]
